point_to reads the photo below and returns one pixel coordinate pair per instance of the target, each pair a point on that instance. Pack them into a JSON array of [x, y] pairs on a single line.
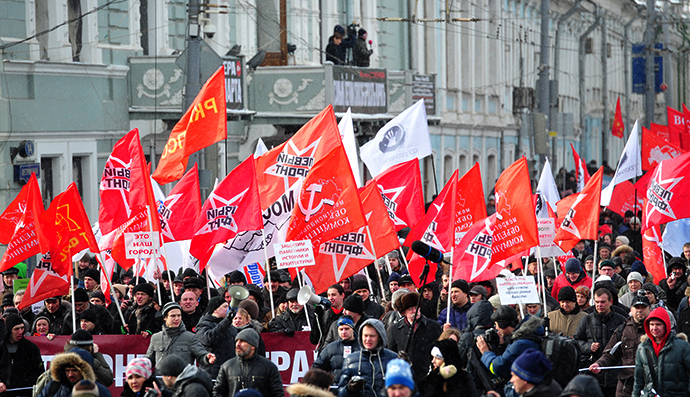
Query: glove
[[289, 332], [447, 371], [356, 385]]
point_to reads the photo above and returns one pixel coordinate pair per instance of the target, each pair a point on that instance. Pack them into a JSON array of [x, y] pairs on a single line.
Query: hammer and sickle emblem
[[311, 210]]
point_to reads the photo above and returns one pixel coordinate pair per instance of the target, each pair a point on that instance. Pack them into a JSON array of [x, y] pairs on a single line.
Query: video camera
[[352, 29]]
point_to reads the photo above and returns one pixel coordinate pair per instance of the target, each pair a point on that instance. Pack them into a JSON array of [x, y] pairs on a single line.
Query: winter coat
[[419, 350], [675, 295], [104, 320], [289, 322], [256, 326], [629, 335], [373, 309], [145, 318], [333, 331], [103, 372], [450, 379], [583, 385], [22, 368], [565, 323], [362, 53], [176, 341], [332, 357], [458, 316], [305, 390], [547, 388], [562, 280], [597, 328], [128, 392], [217, 335], [256, 372], [57, 319], [369, 364], [672, 366], [192, 320], [60, 386], [527, 335], [326, 319], [192, 382], [333, 53]]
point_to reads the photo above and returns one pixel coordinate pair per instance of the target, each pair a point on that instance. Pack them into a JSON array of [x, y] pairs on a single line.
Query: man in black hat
[[361, 52], [566, 319], [276, 289], [460, 305], [92, 280], [81, 303], [55, 311], [353, 307], [360, 286], [235, 277], [294, 318], [20, 360], [184, 380], [178, 286], [196, 285], [674, 285], [142, 318], [217, 334], [165, 284]]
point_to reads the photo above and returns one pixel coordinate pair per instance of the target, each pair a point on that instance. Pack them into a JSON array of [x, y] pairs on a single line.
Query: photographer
[[674, 285], [518, 337], [479, 323]]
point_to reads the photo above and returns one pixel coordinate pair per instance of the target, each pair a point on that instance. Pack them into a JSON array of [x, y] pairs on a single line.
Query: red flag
[[436, 229], [617, 128], [106, 273], [660, 130], [473, 257], [380, 225], [232, 208], [401, 186], [580, 169], [685, 135], [328, 205], [67, 230], [44, 284], [470, 204], [204, 124], [668, 192], [582, 220], [623, 199], [515, 229], [642, 183], [676, 125], [652, 254], [116, 239], [655, 148], [280, 167], [181, 208], [125, 184], [19, 226], [563, 206]]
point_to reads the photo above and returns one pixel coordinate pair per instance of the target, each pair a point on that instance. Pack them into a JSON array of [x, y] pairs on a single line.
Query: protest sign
[[517, 290], [294, 254]]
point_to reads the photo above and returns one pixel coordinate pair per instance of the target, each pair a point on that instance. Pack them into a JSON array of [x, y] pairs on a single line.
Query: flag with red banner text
[[203, 124], [231, 208], [668, 192], [67, 230], [383, 235], [116, 240], [180, 209], [655, 149], [19, 226], [676, 125], [401, 186], [470, 204], [582, 220], [436, 229], [473, 256]]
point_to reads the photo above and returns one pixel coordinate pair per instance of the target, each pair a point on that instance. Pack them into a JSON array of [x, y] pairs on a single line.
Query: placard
[[294, 254], [547, 231], [141, 245], [517, 290]]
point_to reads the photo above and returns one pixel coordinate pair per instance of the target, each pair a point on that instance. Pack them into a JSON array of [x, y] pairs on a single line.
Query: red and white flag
[[401, 187], [178, 212], [668, 192], [676, 125], [652, 254], [19, 226], [582, 220], [624, 199], [473, 257], [655, 148], [43, 284], [581, 169], [470, 204], [381, 227]]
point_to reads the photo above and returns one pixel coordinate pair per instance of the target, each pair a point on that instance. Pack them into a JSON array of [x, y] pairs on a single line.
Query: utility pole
[[193, 82], [544, 102], [605, 128], [581, 62], [626, 71], [649, 89]]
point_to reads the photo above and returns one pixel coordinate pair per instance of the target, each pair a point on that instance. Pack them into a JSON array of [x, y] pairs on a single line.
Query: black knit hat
[[567, 293], [8, 300], [89, 315], [360, 283], [462, 284], [93, 274], [145, 288], [171, 365], [12, 320], [168, 275], [214, 303], [81, 337], [97, 294], [170, 306], [354, 304], [236, 277], [81, 295]]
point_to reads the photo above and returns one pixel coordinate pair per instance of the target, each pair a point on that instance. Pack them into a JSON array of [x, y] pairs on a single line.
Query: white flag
[[547, 191], [347, 135], [402, 139], [260, 148], [629, 166]]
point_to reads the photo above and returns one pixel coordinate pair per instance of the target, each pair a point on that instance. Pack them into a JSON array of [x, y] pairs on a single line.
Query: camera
[[210, 30], [491, 337], [151, 393], [352, 29]]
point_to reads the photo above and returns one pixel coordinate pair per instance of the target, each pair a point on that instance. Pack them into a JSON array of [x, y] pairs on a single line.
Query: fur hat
[[251, 307], [505, 316], [145, 288], [193, 282], [408, 300]]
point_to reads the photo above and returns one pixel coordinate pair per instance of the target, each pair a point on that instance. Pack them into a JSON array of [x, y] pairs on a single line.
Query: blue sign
[[639, 79], [22, 172]]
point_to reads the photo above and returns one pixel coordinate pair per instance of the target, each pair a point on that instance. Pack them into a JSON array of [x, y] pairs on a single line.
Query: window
[[47, 180], [448, 168]]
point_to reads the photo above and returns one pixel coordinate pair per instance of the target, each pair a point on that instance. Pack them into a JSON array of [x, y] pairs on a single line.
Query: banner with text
[[517, 290]]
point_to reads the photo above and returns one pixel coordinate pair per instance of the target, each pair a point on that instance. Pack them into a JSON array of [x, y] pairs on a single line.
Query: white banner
[[517, 290], [294, 254]]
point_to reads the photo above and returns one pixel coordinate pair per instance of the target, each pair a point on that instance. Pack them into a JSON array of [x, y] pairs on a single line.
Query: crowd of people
[[444, 338]]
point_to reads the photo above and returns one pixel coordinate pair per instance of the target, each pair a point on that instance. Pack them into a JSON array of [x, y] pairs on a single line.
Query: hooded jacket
[[176, 341], [192, 382], [449, 379], [562, 280], [527, 335], [419, 351], [670, 360], [60, 385], [478, 321], [369, 364], [333, 356], [305, 390], [217, 335]]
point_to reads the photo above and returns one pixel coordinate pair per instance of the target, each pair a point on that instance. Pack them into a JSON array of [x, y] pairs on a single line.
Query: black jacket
[[361, 53], [420, 346], [218, 337], [289, 322], [373, 309], [22, 368], [104, 320], [332, 357], [145, 318], [57, 319], [256, 372], [192, 382], [597, 328], [192, 320]]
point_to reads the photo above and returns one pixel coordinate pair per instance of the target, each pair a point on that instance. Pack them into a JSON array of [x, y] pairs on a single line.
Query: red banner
[[292, 355]]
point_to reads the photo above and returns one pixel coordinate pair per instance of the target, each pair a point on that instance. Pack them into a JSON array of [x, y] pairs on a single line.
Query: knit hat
[[139, 366], [89, 315], [98, 295], [168, 275], [394, 254], [354, 304], [93, 274], [639, 267], [573, 265], [145, 288], [84, 355], [8, 300], [12, 320], [361, 33], [249, 335], [607, 263], [505, 316], [582, 290], [408, 300], [170, 306], [81, 295], [589, 258], [651, 288], [360, 283], [346, 320], [85, 388], [495, 301], [249, 393], [121, 288], [193, 282], [479, 290], [604, 246], [462, 284], [635, 276], [214, 303], [171, 365], [393, 277], [623, 240], [236, 277], [81, 337], [531, 366], [275, 276], [251, 307], [398, 372], [435, 352], [567, 293]]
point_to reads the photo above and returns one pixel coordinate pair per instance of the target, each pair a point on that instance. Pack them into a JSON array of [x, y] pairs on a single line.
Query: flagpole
[[112, 290], [433, 168], [167, 269], [555, 265], [267, 268], [74, 310], [542, 279], [373, 250], [402, 256], [208, 282], [663, 255], [366, 272], [388, 264], [156, 250], [450, 281], [594, 266]]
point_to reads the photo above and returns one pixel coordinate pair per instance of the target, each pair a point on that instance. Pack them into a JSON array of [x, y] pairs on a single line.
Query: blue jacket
[[458, 316], [527, 336]]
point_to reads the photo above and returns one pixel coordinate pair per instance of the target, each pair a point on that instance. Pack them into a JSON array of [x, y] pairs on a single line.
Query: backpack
[[564, 354]]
